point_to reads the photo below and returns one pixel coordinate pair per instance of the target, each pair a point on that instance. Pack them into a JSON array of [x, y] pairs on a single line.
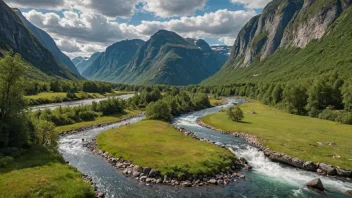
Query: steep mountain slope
[[14, 36], [166, 58], [84, 64], [291, 39], [213, 60], [48, 42], [79, 60], [112, 62]]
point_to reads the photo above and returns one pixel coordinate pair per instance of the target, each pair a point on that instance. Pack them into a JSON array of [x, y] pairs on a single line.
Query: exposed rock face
[[330, 170], [284, 23], [316, 184], [15, 36]]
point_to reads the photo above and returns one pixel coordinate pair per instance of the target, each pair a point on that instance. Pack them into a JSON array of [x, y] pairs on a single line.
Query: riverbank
[[298, 141], [39, 172], [58, 97], [155, 152], [98, 122]]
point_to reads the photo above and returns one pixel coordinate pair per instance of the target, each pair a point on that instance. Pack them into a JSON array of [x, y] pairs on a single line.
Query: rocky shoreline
[[320, 168], [98, 125], [152, 176]]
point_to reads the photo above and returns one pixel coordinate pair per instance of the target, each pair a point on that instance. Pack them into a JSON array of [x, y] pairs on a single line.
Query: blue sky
[[82, 27]]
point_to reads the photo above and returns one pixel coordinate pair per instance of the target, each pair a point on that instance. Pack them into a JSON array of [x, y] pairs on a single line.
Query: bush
[[158, 111], [88, 115], [235, 114]]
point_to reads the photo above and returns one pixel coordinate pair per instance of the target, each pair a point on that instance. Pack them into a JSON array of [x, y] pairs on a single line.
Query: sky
[[82, 27]]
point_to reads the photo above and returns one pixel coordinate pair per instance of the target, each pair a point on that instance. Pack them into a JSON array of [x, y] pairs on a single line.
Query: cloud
[[171, 8], [252, 4], [92, 32], [35, 3], [230, 41], [109, 8]]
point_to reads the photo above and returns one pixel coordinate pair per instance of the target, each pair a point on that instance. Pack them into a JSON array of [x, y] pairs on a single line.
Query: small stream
[[267, 179], [53, 106]]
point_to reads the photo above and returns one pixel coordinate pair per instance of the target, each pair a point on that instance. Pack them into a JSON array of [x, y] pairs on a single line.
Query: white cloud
[[109, 8], [230, 41], [170, 8], [252, 4], [92, 32]]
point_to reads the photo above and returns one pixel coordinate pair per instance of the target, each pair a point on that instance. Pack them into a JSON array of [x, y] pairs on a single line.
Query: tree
[[235, 114], [45, 133], [12, 102], [158, 111]]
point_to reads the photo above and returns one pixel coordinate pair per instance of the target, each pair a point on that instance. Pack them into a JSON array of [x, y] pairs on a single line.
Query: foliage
[[158, 111], [235, 114]]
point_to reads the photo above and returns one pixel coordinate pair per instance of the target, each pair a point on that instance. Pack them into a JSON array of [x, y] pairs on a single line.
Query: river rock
[[321, 172], [309, 166], [143, 178], [100, 195], [316, 184], [348, 192], [343, 172], [148, 180], [330, 170], [186, 184], [136, 174], [213, 181], [146, 170], [153, 173], [243, 160]]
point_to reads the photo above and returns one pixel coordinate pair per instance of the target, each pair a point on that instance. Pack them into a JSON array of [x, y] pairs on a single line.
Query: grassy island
[[307, 138], [156, 144]]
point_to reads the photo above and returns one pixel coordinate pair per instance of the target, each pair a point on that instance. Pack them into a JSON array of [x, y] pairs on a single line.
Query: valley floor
[[303, 137], [39, 172], [158, 145]]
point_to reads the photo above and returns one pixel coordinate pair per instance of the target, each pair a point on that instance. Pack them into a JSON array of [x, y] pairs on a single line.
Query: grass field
[[216, 102], [157, 144], [99, 120], [40, 173], [298, 136]]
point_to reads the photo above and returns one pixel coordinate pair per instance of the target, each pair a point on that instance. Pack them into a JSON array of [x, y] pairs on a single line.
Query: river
[[267, 179], [76, 103]]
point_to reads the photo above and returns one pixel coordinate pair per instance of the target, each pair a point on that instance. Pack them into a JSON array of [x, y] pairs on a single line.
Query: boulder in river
[[309, 166], [213, 181], [146, 170], [153, 173], [343, 172], [348, 192], [186, 184], [316, 184], [330, 170]]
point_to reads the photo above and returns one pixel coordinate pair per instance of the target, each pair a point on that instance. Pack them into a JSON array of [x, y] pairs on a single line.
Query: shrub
[[158, 111], [235, 114]]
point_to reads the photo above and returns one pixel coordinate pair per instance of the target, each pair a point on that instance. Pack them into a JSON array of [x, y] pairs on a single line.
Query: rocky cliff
[[14, 36], [283, 25]]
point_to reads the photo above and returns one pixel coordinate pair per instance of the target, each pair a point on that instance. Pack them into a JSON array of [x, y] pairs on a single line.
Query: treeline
[[157, 106], [35, 87], [176, 102], [329, 97]]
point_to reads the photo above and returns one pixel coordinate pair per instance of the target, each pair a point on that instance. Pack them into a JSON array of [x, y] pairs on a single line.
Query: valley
[[178, 99]]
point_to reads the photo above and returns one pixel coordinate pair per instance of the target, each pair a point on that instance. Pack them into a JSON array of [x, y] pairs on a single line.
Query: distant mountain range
[[166, 58], [291, 40], [37, 52]]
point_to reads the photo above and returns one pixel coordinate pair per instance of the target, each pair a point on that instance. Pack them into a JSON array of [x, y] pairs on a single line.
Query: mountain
[[290, 40], [222, 50], [79, 60], [48, 42], [213, 60], [113, 61], [86, 62], [15, 37]]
